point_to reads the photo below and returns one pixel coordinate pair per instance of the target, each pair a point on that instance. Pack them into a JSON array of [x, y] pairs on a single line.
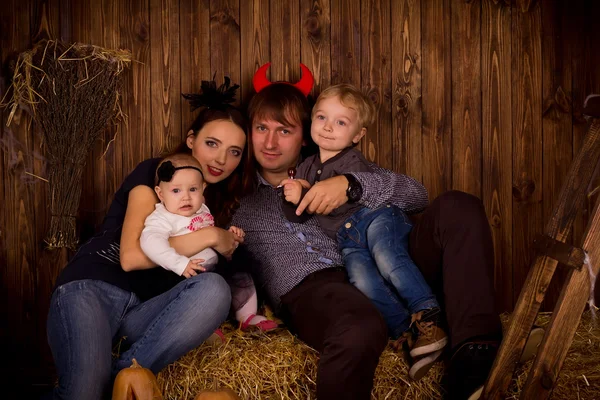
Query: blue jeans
[[87, 316], [374, 246]]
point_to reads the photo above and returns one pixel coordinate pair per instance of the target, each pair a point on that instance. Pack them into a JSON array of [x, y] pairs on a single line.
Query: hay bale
[[255, 366], [279, 366]]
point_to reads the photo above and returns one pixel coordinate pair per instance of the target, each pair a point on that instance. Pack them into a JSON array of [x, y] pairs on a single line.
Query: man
[[300, 268]]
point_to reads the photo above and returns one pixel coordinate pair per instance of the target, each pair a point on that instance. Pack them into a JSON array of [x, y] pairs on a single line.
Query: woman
[[110, 289]]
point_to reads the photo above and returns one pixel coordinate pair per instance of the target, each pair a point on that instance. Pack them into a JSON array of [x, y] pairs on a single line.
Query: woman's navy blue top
[[98, 258]]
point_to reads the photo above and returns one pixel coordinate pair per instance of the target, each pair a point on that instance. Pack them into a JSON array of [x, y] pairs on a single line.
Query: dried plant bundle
[[72, 92]]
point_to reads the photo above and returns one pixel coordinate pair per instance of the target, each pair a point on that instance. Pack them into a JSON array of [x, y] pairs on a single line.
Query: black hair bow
[[166, 171]]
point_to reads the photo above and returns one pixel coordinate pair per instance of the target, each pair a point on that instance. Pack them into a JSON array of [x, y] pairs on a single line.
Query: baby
[[180, 187]]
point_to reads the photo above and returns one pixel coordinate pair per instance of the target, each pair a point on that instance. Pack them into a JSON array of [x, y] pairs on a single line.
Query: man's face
[[276, 146]]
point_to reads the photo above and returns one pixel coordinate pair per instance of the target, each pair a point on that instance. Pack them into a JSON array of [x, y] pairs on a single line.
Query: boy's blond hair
[[350, 96]]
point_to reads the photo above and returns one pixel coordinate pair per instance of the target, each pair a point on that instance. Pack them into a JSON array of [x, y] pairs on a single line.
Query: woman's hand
[[222, 241], [226, 242], [325, 196]]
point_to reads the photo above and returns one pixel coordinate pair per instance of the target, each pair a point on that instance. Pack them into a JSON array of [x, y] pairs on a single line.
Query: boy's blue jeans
[[374, 246], [87, 316]]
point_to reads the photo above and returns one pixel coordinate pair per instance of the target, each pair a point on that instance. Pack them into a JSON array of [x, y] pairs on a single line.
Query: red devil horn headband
[[305, 84]]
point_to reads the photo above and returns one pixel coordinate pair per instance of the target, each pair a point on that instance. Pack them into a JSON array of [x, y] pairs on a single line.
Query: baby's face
[[184, 194]]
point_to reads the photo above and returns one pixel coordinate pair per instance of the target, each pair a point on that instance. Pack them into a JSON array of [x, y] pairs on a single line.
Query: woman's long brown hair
[[223, 198]]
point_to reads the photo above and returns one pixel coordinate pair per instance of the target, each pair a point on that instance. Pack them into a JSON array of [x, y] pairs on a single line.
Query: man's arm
[[379, 187], [383, 186]]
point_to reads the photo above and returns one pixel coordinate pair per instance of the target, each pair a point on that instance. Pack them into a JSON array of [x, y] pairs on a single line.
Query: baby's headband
[[305, 84], [167, 170]]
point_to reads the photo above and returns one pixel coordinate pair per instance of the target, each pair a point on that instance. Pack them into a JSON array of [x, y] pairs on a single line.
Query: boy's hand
[[193, 268], [292, 189]]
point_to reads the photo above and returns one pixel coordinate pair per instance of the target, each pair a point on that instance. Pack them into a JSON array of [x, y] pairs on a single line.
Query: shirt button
[[348, 225], [319, 172]]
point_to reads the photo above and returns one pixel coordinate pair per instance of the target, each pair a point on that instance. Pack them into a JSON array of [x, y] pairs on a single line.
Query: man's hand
[[193, 268], [325, 196], [292, 189]]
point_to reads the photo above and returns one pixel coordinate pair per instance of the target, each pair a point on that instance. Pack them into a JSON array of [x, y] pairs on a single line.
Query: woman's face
[[218, 147]]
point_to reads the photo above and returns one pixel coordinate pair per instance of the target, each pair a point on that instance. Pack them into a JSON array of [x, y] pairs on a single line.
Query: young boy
[[373, 242]]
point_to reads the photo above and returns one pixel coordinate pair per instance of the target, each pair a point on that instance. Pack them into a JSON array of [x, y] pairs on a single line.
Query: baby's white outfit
[[162, 224]]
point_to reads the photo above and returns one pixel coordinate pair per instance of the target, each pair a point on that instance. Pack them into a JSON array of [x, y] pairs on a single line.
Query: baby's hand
[[292, 189], [193, 267], [237, 231]]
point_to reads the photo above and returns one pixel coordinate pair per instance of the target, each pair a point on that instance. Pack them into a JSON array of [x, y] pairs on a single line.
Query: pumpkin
[[219, 394], [136, 383]]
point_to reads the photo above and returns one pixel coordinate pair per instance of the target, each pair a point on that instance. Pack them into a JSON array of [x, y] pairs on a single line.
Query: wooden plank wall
[[483, 96]]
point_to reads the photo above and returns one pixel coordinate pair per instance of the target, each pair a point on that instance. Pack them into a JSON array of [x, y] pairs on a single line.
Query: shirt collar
[[334, 158], [262, 181]]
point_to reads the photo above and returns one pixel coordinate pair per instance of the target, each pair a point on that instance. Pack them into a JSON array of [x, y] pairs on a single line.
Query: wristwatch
[[354, 191]]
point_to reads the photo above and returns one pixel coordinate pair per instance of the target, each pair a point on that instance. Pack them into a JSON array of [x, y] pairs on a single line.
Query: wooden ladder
[[551, 250]]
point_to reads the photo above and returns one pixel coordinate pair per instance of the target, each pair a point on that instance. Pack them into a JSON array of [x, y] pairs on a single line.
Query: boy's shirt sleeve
[[289, 210], [155, 244]]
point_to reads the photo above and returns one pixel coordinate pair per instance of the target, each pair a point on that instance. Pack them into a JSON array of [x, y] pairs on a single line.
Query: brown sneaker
[[423, 364], [430, 337], [403, 343]]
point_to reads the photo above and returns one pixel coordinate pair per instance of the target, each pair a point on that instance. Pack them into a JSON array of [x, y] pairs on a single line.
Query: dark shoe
[[468, 369], [482, 360], [430, 337], [49, 395]]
